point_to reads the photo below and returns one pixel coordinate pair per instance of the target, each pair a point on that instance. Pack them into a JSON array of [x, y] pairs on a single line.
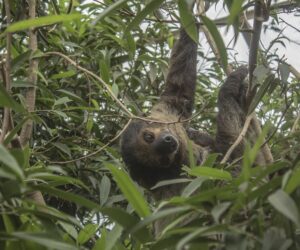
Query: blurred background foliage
[[127, 44]]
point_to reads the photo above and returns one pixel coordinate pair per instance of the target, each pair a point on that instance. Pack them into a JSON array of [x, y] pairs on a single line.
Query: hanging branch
[[30, 96], [261, 14], [254, 46], [6, 123], [32, 78]]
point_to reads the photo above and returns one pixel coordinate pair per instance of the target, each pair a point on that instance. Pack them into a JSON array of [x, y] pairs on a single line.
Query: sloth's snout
[[166, 144]]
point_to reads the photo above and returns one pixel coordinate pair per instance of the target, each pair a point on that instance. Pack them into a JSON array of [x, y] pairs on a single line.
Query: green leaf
[[105, 186], [86, 233], [63, 147], [10, 162], [63, 100], [235, 10], [193, 186], [42, 21], [7, 101], [126, 220], [104, 71], [260, 93], [159, 215], [129, 190], [284, 70], [44, 240], [111, 8], [65, 74], [153, 5], [293, 182], [71, 95], [213, 30], [211, 173], [282, 202], [187, 19]]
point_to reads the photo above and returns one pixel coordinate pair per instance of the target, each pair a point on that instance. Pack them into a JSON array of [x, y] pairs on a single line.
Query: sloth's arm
[[181, 79], [231, 115]]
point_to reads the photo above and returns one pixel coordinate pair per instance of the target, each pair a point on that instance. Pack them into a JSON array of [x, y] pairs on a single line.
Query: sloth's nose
[[169, 139], [167, 144]]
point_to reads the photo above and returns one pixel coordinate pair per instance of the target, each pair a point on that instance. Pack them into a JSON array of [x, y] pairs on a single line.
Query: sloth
[[156, 148]]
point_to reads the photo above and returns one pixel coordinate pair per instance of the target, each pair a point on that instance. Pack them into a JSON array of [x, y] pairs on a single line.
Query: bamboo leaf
[[283, 203], [187, 19], [153, 5], [211, 173], [129, 190], [213, 30], [111, 8], [10, 162], [42, 21]]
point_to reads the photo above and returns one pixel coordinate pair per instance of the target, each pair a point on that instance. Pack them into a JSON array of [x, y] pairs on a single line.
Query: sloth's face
[[147, 145]]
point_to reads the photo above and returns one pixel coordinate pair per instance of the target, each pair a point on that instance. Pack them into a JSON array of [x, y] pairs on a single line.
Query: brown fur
[[151, 159], [147, 163]]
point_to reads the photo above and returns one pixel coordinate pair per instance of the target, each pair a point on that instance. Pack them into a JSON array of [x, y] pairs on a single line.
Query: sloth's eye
[[148, 137]]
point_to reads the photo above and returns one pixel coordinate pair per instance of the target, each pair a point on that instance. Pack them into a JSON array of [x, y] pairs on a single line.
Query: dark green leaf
[[187, 19], [129, 190], [150, 7]]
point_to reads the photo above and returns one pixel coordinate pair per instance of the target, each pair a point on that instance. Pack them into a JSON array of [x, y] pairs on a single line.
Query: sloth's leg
[[231, 115], [181, 79]]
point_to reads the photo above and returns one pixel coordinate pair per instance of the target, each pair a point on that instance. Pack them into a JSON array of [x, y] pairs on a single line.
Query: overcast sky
[[291, 52]]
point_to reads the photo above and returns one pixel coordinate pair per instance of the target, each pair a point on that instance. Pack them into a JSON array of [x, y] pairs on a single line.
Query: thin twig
[[288, 24], [26, 131], [7, 71], [97, 151], [108, 89], [238, 139], [277, 126]]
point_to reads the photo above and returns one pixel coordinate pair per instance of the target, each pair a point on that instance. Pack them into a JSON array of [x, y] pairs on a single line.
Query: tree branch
[[26, 131], [6, 124], [238, 139]]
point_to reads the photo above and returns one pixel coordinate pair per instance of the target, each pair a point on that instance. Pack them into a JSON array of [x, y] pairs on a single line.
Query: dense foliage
[[120, 49]]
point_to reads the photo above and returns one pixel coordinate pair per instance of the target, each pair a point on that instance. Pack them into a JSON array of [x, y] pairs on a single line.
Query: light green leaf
[[129, 190], [42, 21], [44, 240], [187, 19], [283, 203], [213, 30], [10, 162], [65, 74], [86, 233], [153, 5], [210, 173], [235, 10], [111, 8], [104, 71], [293, 182], [62, 100], [105, 186]]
